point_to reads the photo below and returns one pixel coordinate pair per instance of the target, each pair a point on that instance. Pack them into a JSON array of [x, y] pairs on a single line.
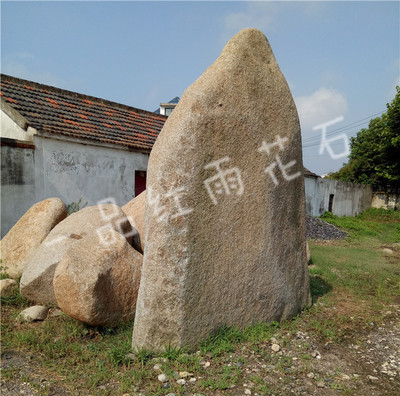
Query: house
[[167, 108], [60, 143]]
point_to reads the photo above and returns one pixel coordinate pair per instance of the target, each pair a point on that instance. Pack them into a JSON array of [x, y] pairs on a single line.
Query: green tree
[[375, 152]]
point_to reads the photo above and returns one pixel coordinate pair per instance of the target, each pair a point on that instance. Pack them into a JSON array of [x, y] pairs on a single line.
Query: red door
[[140, 182]]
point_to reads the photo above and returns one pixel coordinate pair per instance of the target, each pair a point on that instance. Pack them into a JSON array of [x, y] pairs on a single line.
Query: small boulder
[[34, 313], [99, 286], [275, 347], [135, 211], [8, 287], [27, 234], [100, 221]]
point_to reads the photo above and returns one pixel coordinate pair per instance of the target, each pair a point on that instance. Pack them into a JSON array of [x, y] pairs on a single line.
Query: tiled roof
[[308, 173], [60, 112]]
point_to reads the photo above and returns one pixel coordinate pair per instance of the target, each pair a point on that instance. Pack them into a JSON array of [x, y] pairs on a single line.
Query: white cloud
[[313, 9], [26, 66], [255, 15], [322, 106], [263, 15]]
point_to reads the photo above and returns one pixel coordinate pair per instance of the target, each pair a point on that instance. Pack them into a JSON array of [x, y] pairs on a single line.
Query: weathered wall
[[59, 168], [72, 171], [350, 199], [17, 184], [386, 200], [314, 199]]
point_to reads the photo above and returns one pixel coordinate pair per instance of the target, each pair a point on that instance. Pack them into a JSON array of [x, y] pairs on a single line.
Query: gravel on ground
[[319, 229]]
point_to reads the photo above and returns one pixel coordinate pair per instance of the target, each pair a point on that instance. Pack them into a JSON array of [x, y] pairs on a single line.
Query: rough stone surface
[[27, 234], [37, 280], [99, 286], [34, 313], [135, 211], [230, 253], [8, 287], [308, 253]]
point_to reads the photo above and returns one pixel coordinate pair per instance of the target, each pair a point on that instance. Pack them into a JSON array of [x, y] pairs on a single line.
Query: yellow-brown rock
[[99, 286], [28, 233], [225, 205], [99, 221], [135, 210]]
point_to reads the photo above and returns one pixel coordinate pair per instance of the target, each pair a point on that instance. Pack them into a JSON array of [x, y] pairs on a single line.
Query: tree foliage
[[375, 152]]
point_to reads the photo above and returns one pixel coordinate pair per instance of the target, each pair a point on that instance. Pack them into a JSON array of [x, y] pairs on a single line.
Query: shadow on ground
[[318, 287]]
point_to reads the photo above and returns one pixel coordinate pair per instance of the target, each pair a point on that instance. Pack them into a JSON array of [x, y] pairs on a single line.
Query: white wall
[[12, 129], [65, 169], [350, 199], [73, 171]]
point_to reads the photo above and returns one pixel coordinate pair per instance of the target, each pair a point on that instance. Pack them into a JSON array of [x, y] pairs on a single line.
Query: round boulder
[[99, 286]]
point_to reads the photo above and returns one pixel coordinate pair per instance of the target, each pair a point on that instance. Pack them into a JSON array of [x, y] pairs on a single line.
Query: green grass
[[359, 264], [226, 339], [352, 281], [16, 301], [373, 224]]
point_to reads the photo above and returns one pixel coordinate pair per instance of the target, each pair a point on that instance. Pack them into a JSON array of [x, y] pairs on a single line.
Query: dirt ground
[[367, 364]]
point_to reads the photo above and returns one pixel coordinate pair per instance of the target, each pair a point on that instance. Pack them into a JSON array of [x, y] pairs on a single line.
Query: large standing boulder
[[99, 286], [28, 233], [225, 205], [101, 220], [308, 253], [135, 210]]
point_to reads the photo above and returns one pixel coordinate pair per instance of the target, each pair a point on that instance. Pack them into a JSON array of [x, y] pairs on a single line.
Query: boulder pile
[[88, 264]]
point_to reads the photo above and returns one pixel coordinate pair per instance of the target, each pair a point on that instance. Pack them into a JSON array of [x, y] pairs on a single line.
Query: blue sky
[[341, 59]]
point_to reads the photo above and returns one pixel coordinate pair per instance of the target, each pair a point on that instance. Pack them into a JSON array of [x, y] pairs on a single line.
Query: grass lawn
[[354, 283]]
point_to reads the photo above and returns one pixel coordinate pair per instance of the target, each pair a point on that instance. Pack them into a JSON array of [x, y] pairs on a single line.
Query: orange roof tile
[[60, 112]]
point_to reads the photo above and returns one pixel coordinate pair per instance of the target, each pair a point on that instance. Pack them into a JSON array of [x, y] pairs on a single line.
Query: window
[[168, 110]]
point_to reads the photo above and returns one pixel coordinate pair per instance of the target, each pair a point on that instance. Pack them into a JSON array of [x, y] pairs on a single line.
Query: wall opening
[[330, 206], [140, 182]]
